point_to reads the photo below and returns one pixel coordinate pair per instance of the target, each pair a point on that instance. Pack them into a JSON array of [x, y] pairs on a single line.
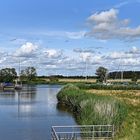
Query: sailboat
[[18, 84]]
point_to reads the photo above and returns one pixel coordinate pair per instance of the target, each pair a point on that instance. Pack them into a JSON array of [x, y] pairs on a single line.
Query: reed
[[91, 109]]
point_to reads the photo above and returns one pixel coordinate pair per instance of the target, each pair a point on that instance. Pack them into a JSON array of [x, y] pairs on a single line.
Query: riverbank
[[87, 83], [131, 126], [92, 109]]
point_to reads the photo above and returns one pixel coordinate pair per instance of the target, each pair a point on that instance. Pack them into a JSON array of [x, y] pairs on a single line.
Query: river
[[29, 114]]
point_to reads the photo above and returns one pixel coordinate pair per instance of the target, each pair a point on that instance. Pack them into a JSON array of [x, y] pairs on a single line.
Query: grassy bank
[[91, 108], [131, 126]]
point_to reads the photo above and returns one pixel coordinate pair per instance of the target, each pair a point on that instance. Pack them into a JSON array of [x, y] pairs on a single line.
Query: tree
[[7, 74], [134, 77], [28, 74], [101, 72]]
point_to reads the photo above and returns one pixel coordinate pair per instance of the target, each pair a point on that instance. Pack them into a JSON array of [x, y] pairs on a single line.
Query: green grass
[[108, 87], [92, 109]]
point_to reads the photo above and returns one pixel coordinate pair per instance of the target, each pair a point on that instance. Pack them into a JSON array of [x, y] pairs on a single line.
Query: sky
[[72, 37]]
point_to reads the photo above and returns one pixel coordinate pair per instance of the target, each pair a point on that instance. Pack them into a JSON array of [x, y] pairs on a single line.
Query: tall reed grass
[[91, 109]]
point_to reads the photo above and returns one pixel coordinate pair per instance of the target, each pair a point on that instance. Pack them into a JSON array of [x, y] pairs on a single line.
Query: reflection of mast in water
[[25, 98], [18, 93], [24, 108]]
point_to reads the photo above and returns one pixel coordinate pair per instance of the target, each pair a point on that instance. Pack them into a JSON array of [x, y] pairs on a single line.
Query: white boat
[[18, 84]]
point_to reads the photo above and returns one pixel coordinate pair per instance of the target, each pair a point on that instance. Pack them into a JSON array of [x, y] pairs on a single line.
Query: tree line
[[30, 74], [103, 74], [126, 74], [10, 74]]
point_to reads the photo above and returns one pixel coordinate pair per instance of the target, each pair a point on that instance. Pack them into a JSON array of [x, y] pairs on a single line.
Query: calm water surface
[[30, 113]]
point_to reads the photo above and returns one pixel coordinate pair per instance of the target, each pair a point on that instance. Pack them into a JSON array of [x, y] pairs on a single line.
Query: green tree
[[8, 75], [101, 73], [134, 77], [28, 74]]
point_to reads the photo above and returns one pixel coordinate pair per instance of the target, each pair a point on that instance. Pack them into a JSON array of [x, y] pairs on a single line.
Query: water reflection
[[26, 99], [29, 114]]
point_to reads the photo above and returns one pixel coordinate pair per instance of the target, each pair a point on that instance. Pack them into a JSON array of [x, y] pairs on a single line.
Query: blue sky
[[63, 37]]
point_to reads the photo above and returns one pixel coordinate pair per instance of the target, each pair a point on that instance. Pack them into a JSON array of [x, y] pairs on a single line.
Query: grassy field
[[73, 80], [131, 126], [83, 80]]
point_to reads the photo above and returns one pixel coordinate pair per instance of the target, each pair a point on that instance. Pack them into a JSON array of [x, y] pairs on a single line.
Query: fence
[[83, 132]]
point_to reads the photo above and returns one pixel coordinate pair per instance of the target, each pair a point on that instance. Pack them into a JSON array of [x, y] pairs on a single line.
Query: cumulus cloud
[[85, 56], [119, 55], [27, 50], [72, 62], [123, 59], [2, 59], [106, 25], [88, 56], [104, 17], [134, 50], [53, 53]]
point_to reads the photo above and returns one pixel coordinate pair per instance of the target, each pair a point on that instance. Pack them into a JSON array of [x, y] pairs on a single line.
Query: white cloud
[[55, 60], [85, 56], [135, 50], [27, 50], [131, 62], [2, 60], [106, 25], [104, 16], [119, 55], [53, 53]]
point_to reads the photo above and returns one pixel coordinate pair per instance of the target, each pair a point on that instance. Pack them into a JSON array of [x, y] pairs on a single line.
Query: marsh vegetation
[[99, 106]]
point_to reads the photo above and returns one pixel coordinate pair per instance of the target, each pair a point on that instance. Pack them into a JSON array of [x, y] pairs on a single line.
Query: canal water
[[29, 114]]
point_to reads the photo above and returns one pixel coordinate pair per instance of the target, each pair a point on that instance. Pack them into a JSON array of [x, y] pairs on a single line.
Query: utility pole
[[86, 71], [122, 76]]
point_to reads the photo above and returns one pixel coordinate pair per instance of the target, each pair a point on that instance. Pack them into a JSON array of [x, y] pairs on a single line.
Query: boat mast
[[19, 70]]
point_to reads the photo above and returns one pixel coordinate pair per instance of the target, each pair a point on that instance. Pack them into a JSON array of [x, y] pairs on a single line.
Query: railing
[[83, 132]]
